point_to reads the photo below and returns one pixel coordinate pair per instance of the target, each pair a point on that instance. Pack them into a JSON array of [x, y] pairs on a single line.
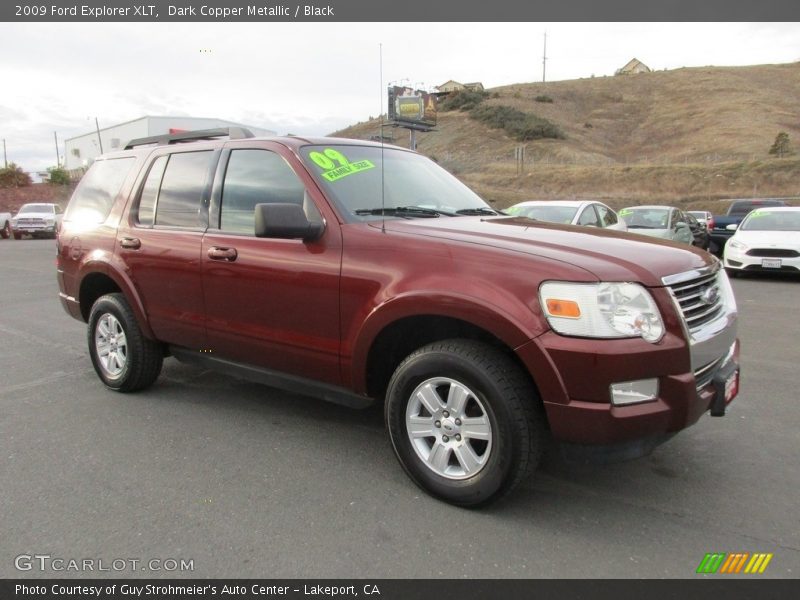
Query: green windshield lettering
[[348, 169], [327, 159]]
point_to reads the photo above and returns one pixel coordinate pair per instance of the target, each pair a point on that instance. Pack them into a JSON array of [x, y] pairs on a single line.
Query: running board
[[275, 379]]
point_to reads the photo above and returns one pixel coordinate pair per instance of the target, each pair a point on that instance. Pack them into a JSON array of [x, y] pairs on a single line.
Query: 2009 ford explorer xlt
[[359, 273]]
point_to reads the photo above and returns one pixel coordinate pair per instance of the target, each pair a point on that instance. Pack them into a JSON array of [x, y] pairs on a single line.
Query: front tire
[[465, 421], [123, 358], [5, 232]]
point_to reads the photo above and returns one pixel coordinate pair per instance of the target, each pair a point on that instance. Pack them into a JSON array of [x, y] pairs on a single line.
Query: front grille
[[773, 253], [700, 300], [705, 374]]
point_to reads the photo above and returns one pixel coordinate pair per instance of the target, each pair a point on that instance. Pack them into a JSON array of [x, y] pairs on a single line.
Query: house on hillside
[[455, 86], [633, 67]]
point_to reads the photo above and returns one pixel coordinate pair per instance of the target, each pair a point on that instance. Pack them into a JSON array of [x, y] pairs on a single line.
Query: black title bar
[[398, 10]]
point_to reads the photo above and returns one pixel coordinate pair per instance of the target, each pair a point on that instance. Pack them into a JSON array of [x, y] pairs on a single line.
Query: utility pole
[[99, 141], [5, 157], [544, 57], [58, 158]]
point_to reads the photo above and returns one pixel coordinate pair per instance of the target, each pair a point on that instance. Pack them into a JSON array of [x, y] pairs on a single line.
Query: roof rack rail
[[234, 133]]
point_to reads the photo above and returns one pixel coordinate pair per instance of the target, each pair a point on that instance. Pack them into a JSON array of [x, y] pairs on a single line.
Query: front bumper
[[34, 229], [738, 260], [696, 369], [581, 416]]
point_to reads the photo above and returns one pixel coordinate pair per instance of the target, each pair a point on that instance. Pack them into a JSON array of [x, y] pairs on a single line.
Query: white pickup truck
[[5, 225], [38, 219]]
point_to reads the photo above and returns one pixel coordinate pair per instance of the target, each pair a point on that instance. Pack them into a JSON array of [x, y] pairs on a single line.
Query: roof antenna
[[383, 195]]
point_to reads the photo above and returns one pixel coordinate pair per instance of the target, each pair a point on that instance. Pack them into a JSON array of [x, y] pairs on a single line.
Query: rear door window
[[179, 202], [146, 212]]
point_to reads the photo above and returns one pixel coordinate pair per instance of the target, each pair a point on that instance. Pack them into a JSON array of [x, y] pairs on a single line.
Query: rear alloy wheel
[[123, 358], [464, 421]]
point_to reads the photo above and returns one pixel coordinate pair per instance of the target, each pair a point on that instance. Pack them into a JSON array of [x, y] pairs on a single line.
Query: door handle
[[130, 243], [217, 253]]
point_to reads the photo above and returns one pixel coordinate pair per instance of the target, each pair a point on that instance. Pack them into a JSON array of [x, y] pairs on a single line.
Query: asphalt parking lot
[[246, 481]]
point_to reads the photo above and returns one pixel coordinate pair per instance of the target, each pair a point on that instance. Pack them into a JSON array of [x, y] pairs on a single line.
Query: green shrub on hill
[[519, 125], [463, 100]]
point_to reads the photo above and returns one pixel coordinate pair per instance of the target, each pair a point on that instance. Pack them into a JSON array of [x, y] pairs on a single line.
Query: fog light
[[633, 392]]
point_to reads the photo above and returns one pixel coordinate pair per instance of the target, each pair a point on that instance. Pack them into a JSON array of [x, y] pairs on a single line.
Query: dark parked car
[[699, 231], [364, 273]]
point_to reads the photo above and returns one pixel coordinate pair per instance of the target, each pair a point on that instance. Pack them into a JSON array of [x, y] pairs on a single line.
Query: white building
[[81, 150]]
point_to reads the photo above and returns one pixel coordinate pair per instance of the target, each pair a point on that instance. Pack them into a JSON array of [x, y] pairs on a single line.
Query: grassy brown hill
[[689, 137]]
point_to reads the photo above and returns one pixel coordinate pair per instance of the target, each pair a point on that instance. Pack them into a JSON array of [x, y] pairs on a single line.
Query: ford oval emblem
[[709, 295]]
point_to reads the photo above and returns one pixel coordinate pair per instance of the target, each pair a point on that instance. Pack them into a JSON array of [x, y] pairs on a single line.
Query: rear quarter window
[[98, 189]]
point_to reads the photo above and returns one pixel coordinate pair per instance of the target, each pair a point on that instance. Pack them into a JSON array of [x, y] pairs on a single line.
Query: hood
[[608, 255], [768, 239]]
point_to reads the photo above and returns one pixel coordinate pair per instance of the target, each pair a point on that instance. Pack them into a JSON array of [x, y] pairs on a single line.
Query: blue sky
[[314, 78]]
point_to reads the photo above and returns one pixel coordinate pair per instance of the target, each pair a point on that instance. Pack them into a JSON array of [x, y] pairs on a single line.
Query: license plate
[[732, 387], [771, 263]]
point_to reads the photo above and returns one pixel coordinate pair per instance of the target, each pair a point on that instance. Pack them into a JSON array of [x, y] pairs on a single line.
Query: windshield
[[408, 186], [645, 218], [36, 208], [768, 220], [551, 214]]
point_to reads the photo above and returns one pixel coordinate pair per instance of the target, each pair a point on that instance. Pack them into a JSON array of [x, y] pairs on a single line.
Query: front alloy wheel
[[465, 421], [449, 428]]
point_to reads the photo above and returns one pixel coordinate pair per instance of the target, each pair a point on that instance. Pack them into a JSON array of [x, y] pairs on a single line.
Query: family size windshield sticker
[[625, 212], [335, 165]]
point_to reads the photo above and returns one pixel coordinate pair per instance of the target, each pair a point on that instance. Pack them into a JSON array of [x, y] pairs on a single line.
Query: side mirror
[[286, 221], [732, 227]]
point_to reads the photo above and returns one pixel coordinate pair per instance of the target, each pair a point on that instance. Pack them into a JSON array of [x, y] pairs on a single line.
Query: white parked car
[[768, 239], [39, 219], [569, 212], [665, 222]]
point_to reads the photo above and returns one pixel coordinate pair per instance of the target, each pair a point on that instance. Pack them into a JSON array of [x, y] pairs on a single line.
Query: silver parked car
[[570, 212], [665, 222]]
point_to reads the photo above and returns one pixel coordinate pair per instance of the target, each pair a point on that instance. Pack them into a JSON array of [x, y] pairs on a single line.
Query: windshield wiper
[[479, 210], [404, 211]]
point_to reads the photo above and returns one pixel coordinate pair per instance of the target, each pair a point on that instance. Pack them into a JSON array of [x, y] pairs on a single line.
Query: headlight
[[601, 310], [737, 245]]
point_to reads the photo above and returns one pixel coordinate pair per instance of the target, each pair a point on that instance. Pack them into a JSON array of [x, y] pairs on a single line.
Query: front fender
[[512, 325]]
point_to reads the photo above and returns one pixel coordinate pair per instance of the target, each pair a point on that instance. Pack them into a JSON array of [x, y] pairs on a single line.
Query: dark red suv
[[358, 272]]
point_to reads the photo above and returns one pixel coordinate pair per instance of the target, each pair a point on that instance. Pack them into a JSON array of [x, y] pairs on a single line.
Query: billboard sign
[[411, 107]]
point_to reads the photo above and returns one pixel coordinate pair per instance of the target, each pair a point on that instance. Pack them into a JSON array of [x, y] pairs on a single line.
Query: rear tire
[[123, 358], [465, 421], [17, 236]]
